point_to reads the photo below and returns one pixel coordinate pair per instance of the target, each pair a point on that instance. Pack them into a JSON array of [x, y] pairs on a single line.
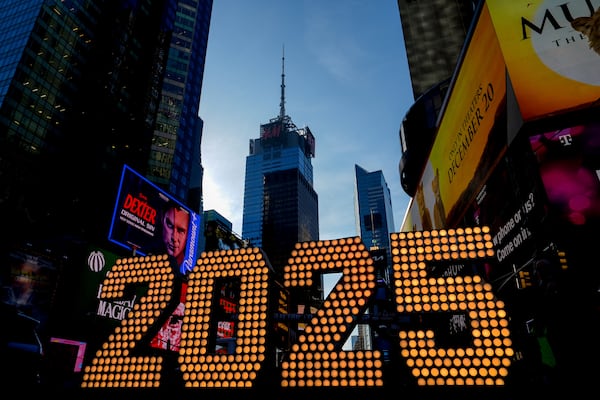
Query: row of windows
[[17, 13]]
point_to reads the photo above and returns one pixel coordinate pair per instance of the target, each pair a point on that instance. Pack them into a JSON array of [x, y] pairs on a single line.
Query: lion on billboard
[[590, 27]]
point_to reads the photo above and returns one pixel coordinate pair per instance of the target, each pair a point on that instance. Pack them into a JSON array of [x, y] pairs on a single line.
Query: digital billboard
[[271, 130], [471, 136], [551, 57], [147, 220], [570, 171], [168, 336], [98, 262]]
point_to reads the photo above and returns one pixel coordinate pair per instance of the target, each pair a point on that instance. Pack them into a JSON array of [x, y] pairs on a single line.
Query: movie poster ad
[[147, 220], [169, 334]]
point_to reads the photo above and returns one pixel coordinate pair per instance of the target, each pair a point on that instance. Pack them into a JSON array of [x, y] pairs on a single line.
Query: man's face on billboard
[[175, 229]]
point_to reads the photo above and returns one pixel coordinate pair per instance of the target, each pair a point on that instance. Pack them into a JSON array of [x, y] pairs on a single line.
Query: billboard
[[550, 55], [515, 216], [98, 263], [471, 136], [168, 336], [29, 283], [147, 220], [71, 352], [570, 171], [271, 130]]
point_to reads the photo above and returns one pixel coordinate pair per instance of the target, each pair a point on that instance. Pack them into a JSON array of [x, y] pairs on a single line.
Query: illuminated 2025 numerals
[[317, 358]]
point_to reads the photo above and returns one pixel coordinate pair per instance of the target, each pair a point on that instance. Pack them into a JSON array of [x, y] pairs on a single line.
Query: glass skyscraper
[[373, 209], [374, 219], [86, 87], [280, 204]]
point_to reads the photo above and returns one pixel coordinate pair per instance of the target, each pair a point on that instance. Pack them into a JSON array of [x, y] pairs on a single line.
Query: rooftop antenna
[[282, 103]]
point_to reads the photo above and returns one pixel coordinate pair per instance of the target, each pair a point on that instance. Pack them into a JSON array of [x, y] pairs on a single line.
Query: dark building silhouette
[[218, 233], [434, 34], [87, 87]]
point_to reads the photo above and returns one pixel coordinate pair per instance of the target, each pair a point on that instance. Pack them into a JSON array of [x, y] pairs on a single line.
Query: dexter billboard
[[149, 221]]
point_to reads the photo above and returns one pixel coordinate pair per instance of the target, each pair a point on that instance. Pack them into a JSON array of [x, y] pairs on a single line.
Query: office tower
[[374, 219], [280, 204], [86, 87], [434, 33], [373, 209]]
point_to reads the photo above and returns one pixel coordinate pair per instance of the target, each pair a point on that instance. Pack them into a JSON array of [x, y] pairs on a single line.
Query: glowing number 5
[[486, 362]]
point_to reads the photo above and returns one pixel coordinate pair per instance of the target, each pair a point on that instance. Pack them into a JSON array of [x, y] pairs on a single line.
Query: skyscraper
[[280, 203], [86, 87], [373, 209], [375, 221], [374, 218], [434, 34]]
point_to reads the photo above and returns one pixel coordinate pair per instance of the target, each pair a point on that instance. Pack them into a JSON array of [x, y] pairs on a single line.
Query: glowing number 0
[[200, 367]]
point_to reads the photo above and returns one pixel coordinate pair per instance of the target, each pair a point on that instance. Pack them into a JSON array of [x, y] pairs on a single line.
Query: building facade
[[85, 89], [218, 233], [434, 34], [374, 215]]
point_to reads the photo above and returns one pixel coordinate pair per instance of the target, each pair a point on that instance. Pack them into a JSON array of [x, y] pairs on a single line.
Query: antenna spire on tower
[[282, 103]]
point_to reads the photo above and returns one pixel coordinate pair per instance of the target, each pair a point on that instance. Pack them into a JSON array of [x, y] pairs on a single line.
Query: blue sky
[[346, 78]]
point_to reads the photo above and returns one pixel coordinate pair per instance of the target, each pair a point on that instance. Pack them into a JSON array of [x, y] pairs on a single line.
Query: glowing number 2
[[318, 359], [114, 364]]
